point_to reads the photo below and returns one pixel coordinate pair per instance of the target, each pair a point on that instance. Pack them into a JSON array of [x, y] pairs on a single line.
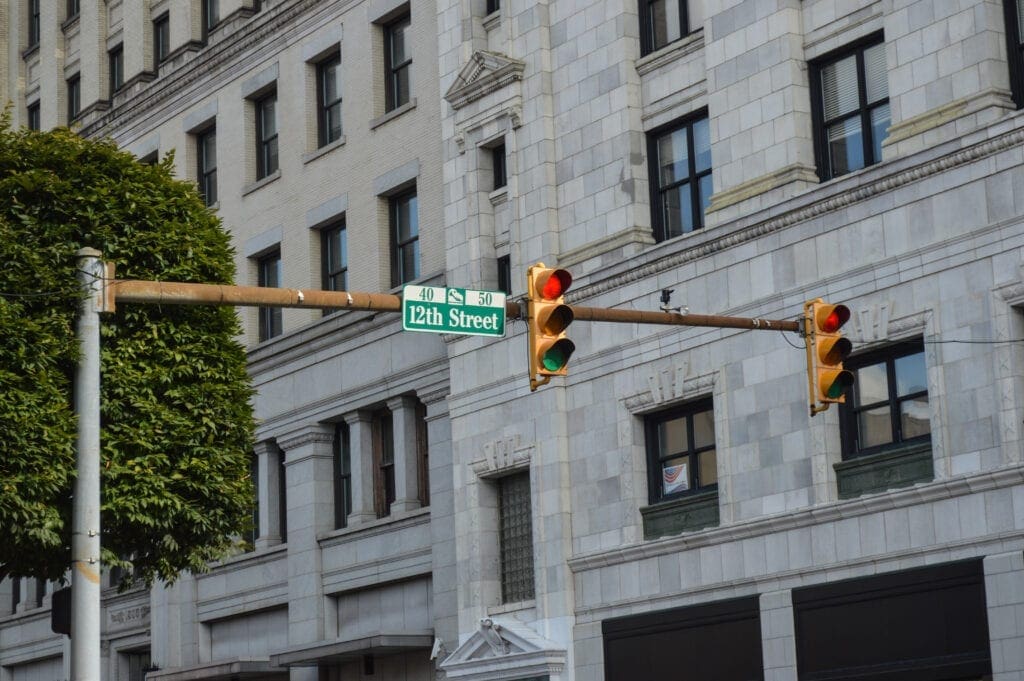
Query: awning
[[340, 650], [222, 669]]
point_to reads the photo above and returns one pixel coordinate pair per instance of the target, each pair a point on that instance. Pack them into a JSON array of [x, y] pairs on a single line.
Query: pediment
[[500, 647], [485, 73]]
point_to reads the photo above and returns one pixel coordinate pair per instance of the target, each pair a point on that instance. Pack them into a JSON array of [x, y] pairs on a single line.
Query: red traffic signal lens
[[557, 283], [837, 316]]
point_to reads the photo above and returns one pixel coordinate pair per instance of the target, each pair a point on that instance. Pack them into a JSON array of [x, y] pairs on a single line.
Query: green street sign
[[453, 310]]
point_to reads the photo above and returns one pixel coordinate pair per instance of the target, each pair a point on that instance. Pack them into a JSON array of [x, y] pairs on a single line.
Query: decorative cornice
[[485, 73], [502, 457], [838, 201], [638, 236], [669, 387], [808, 517], [314, 433], [1012, 293]]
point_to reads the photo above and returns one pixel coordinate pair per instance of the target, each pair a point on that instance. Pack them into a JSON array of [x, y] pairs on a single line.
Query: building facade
[[670, 508]]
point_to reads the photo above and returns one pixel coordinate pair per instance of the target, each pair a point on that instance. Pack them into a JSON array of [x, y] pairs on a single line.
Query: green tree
[[176, 400]]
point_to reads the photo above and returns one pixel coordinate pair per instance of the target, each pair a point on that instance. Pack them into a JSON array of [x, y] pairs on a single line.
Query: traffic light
[[547, 318], [827, 380]]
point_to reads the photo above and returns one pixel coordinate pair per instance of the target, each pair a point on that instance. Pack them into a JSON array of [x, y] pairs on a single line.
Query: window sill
[[492, 20], [324, 150], [686, 514], [671, 52], [393, 114], [892, 469], [259, 184], [498, 196], [516, 606], [69, 23], [30, 51]]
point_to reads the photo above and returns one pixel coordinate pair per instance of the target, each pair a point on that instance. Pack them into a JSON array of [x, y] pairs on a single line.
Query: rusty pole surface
[[176, 293]]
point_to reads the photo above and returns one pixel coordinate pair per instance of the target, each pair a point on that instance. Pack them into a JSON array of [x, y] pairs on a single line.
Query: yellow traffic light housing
[[827, 380], [547, 319]]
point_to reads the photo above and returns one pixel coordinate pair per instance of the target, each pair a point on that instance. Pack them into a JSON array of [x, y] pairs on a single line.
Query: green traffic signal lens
[[557, 356], [842, 381]]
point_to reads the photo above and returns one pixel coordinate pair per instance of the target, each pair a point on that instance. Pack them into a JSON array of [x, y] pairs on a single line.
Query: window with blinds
[[851, 109]]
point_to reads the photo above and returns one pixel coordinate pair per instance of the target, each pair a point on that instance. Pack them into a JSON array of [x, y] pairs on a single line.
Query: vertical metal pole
[[85, 510]]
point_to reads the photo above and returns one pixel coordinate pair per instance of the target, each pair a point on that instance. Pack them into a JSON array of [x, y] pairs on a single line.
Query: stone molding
[[951, 111], [869, 189], [937, 490], [501, 457], [670, 386], [504, 649], [486, 72], [670, 53], [796, 172], [311, 434], [639, 236]]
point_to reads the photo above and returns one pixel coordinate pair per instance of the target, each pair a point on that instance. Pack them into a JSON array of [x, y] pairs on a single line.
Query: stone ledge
[[690, 513], [947, 113], [795, 172], [888, 470]]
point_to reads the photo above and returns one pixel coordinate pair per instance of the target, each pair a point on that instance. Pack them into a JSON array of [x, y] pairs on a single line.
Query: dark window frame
[[1015, 49], [422, 455], [331, 275], [515, 536], [34, 22], [210, 16], [327, 111], [270, 318], [394, 71], [505, 274], [254, 473], [383, 430], [74, 96], [398, 274], [493, 6], [72, 9], [648, 42], [656, 457], [267, 160], [161, 39], [139, 662], [849, 410], [499, 166], [282, 496], [115, 68], [206, 175], [33, 116], [342, 475], [820, 126], [693, 177]]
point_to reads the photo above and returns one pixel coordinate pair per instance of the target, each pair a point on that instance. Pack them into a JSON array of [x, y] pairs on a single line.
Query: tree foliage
[[175, 397]]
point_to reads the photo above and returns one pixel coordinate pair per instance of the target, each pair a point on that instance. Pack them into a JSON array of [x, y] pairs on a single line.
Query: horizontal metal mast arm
[[177, 293], [604, 314]]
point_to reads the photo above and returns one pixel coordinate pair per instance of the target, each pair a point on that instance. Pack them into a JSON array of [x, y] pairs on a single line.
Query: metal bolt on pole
[[85, 510]]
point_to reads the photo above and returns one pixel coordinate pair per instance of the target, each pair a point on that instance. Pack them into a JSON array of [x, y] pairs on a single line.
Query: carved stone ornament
[[504, 649], [502, 456], [485, 73]]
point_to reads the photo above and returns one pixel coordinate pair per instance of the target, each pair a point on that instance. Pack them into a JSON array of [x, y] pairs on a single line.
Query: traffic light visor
[[553, 284], [830, 318]]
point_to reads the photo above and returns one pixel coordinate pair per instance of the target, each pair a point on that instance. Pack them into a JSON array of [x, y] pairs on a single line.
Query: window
[[342, 475], [15, 593], [266, 136], [73, 9], [40, 591], [282, 496], [397, 62], [422, 454], [1015, 48], [334, 252], [33, 119], [515, 534], [384, 458], [33, 22], [498, 166], [493, 6], [405, 235], [887, 407], [681, 456], [505, 274], [211, 16], [661, 22], [681, 170], [270, 276], [115, 58], [206, 160], [161, 39], [328, 90], [74, 85], [137, 663], [850, 105], [254, 475]]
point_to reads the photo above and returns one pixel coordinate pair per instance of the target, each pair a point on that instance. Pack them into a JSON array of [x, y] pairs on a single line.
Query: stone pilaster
[[778, 636], [1004, 597], [269, 483], [360, 437], [404, 423]]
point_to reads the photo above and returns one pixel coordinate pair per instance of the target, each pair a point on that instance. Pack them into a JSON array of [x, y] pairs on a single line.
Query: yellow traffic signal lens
[[834, 350], [554, 320]]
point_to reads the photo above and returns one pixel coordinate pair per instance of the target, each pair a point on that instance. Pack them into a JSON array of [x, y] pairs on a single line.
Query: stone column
[[404, 424], [310, 513], [778, 636], [269, 473], [137, 39], [92, 64], [1004, 597], [360, 438]]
